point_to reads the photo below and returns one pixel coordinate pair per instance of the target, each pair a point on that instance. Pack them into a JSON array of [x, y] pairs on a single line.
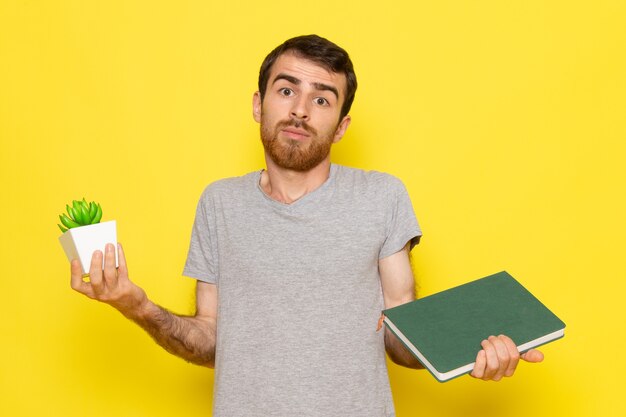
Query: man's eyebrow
[[326, 87], [290, 78], [297, 81]]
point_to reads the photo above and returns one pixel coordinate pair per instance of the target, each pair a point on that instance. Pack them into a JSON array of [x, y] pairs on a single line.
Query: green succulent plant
[[80, 213]]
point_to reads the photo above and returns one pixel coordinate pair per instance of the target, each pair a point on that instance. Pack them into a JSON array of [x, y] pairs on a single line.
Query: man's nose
[[300, 109]]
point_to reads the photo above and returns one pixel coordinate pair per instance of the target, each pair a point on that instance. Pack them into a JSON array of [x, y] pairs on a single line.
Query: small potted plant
[[83, 233]]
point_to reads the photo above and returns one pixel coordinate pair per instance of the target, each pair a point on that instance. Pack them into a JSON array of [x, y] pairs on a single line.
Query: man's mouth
[[295, 133]]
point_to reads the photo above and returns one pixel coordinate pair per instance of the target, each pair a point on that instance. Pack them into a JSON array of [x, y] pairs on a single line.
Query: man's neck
[[288, 186]]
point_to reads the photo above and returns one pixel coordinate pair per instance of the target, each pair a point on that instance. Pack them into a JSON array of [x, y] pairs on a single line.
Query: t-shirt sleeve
[[401, 223], [202, 256]]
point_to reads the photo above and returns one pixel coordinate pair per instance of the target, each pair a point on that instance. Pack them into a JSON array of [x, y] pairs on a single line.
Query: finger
[[532, 355], [122, 269], [502, 354], [110, 271], [479, 366], [77, 282], [513, 355], [95, 272], [492, 366]]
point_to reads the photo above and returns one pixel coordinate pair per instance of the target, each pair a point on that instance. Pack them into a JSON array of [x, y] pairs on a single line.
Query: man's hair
[[322, 52]]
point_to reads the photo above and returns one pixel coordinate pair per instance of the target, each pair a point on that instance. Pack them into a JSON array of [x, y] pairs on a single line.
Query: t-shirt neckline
[[314, 195]]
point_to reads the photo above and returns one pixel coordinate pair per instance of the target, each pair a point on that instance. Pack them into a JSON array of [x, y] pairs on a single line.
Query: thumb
[[532, 355], [122, 269]]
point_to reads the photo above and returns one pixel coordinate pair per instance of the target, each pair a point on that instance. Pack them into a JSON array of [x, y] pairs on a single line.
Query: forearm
[[191, 338], [398, 353]]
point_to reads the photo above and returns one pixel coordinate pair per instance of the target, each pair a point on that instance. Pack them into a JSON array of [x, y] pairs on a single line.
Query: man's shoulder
[[367, 178], [230, 185]]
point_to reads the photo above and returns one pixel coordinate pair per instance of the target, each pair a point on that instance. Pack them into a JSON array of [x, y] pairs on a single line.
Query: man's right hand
[[190, 337], [110, 285]]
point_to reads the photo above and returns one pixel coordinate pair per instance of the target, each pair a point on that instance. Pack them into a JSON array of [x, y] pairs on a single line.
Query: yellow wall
[[505, 119]]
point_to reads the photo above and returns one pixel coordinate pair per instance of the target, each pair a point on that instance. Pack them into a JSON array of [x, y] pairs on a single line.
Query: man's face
[[299, 114]]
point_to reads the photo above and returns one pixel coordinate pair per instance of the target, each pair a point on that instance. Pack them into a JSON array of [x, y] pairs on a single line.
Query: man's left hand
[[499, 358]]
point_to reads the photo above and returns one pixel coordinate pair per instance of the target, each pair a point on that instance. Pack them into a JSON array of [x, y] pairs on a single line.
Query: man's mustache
[[298, 124]]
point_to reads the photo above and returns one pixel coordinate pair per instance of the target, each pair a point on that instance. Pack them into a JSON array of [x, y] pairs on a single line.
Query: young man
[[294, 263]]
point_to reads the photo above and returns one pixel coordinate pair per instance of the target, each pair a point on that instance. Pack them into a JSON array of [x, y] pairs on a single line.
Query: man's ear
[[256, 106], [341, 128]]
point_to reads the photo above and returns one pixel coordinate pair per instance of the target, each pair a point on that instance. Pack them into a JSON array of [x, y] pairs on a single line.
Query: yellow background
[[505, 120]]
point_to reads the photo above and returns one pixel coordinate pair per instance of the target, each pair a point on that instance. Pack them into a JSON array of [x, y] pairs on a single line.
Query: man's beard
[[292, 154]]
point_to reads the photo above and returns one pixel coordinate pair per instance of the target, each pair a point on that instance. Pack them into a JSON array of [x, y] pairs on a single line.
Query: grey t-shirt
[[299, 293]]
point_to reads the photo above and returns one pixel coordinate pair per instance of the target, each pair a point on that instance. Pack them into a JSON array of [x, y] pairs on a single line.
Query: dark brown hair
[[322, 52]]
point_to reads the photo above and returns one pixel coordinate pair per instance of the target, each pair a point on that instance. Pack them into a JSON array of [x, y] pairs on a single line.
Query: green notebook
[[444, 330]]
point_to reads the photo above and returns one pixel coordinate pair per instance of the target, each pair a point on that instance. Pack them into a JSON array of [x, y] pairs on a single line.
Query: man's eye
[[286, 91], [321, 101]]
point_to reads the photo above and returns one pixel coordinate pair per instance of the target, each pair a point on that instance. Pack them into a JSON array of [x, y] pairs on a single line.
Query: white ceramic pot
[[81, 242]]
